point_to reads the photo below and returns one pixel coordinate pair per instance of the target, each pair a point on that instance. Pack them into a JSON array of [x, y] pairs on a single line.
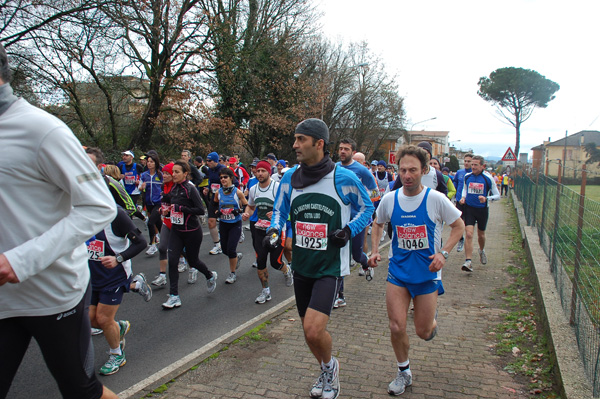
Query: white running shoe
[[211, 283], [183, 265], [173, 302], [317, 389], [331, 385], [340, 302], [160, 280], [482, 256], [242, 237], [216, 250], [152, 250], [231, 278], [289, 277], [461, 245], [239, 259], [467, 266], [361, 271], [145, 290], [193, 276], [96, 331], [264, 296], [403, 379]]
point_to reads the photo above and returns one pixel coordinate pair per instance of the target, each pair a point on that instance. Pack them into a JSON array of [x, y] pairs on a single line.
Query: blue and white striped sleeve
[[281, 207], [354, 192]]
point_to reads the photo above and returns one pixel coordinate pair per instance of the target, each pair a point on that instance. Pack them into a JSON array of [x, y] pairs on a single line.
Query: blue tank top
[[413, 242], [227, 204]]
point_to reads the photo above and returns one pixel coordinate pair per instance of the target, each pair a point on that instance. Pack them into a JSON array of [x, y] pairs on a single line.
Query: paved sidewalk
[[456, 364]]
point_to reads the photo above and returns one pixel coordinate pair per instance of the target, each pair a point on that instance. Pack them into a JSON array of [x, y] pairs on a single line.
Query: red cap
[[264, 165], [232, 160]]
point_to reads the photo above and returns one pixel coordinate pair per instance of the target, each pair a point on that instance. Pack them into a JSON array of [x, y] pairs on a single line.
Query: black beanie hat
[[315, 128]]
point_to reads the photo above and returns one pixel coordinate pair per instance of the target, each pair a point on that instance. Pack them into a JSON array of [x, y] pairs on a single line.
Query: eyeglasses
[[223, 177]]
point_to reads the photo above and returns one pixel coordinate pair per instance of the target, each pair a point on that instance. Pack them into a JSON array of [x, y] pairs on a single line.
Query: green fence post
[[574, 293], [556, 217]]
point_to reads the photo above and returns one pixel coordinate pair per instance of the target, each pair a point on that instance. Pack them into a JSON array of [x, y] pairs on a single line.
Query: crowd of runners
[[309, 221]]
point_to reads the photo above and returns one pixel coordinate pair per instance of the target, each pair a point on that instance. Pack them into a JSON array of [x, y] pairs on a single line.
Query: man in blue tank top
[[416, 214]]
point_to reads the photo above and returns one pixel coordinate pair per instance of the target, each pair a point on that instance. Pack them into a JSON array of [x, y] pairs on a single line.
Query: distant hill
[[495, 159]]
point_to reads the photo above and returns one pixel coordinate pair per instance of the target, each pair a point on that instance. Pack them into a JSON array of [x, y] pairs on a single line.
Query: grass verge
[[521, 342]]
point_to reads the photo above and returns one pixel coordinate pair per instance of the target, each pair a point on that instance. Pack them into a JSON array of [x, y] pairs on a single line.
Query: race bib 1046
[[412, 238], [311, 235], [475, 188], [95, 249]]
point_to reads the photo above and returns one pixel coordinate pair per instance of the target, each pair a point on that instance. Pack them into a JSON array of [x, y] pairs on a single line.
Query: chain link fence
[[568, 225]]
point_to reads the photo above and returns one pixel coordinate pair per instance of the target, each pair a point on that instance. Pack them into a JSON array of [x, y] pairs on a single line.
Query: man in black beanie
[[319, 198]]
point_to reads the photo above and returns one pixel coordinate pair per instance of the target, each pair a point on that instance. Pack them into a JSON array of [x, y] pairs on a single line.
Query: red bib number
[[176, 217], [311, 235], [95, 250], [412, 238]]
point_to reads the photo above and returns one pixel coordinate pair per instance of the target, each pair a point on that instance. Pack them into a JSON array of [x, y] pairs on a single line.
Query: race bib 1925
[[412, 238], [311, 235]]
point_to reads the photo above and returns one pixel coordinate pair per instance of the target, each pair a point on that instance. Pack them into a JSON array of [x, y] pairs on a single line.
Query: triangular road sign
[[509, 155]]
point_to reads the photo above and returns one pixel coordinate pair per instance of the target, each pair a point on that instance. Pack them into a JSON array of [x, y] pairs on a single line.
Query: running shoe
[[467, 266], [124, 326], [231, 278], [211, 283], [96, 331], [255, 265], [247, 227], [331, 384], [173, 302], [216, 250], [339, 303], [160, 280], [361, 271], [193, 276], [382, 238], [239, 259], [435, 330], [403, 379], [242, 237], [264, 296], [152, 250], [317, 389], [114, 364], [183, 265], [145, 290], [289, 277], [370, 227], [461, 245], [157, 239], [482, 256]]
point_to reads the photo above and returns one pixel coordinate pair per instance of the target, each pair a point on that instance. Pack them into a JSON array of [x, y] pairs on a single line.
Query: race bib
[[95, 250], [311, 235], [412, 238], [176, 217], [262, 224], [129, 179], [227, 214], [475, 188], [214, 187], [382, 191]]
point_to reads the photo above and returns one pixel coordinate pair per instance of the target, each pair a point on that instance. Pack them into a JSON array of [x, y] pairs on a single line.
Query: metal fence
[[568, 224]]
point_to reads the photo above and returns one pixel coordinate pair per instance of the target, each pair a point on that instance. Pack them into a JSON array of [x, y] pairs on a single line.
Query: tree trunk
[[518, 138], [144, 133]]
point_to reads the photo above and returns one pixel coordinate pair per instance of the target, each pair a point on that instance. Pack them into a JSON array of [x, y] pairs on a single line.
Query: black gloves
[[272, 238], [340, 237]]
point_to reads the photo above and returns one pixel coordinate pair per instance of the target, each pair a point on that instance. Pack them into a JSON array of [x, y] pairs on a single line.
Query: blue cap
[[382, 163], [213, 156]]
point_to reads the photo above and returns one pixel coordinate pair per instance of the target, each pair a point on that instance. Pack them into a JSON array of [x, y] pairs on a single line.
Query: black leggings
[[262, 253], [190, 240], [154, 220], [230, 236], [65, 343]]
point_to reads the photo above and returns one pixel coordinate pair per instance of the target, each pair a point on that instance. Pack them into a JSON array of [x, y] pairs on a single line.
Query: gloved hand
[[218, 213], [177, 208], [340, 237], [272, 238]]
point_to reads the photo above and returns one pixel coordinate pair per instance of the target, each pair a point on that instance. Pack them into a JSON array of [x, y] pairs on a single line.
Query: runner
[[459, 180], [165, 231], [186, 233], [435, 163], [130, 174], [478, 190], [319, 197], [214, 184], [110, 252], [416, 214], [346, 151], [230, 201], [261, 198], [51, 204], [150, 185]]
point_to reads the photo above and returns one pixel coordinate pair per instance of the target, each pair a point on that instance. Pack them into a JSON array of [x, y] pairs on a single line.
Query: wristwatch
[[444, 254], [121, 260]]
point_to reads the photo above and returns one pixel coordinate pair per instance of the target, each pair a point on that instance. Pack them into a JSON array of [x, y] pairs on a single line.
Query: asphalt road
[[158, 337]]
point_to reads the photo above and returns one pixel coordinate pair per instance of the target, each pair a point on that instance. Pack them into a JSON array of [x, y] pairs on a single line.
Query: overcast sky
[[438, 50]]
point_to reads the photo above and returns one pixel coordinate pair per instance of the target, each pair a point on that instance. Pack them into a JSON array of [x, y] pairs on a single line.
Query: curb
[[571, 373]]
